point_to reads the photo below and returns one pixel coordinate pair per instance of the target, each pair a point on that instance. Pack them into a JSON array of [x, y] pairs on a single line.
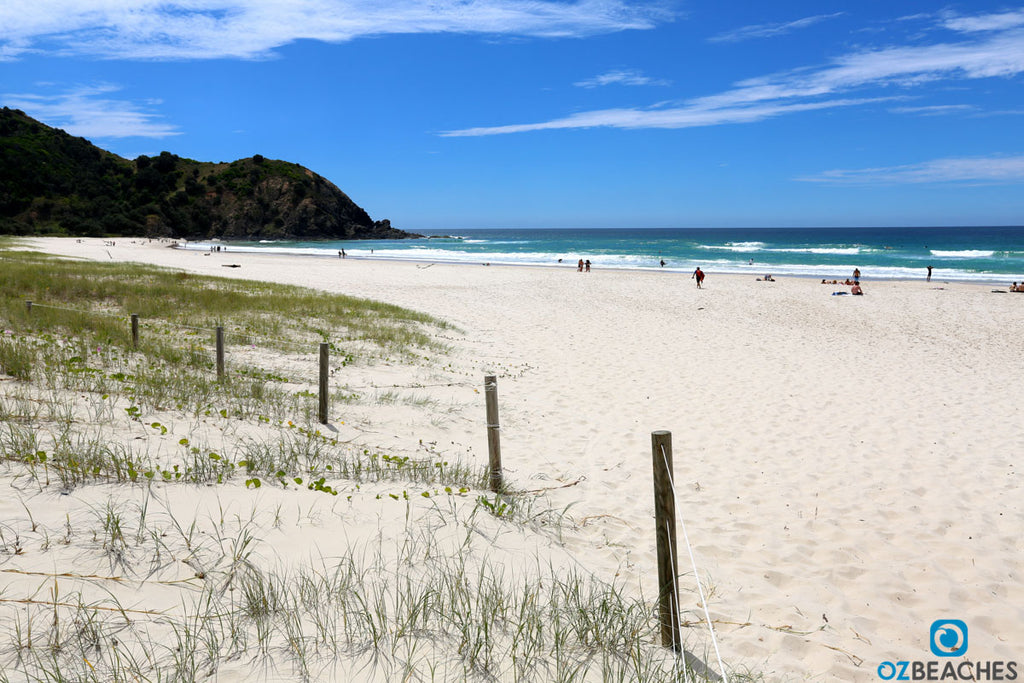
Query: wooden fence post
[[324, 373], [28, 306], [220, 352], [493, 430], [665, 535], [135, 330]]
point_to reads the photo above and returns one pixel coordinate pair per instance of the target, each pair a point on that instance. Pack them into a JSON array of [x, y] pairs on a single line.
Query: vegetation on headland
[[52, 183], [150, 451]]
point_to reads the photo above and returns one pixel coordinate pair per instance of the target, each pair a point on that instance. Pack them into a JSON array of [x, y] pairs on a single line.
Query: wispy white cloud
[[678, 117], [770, 30], [935, 109], [884, 73], [90, 112], [206, 29], [985, 22], [621, 77], [12, 50], [970, 170]]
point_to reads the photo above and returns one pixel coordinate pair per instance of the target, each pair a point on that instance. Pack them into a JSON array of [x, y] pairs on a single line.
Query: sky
[[541, 113]]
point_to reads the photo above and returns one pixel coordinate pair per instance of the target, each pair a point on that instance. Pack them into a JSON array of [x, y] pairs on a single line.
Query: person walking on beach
[[929, 278], [579, 266], [698, 275], [586, 265], [856, 274]]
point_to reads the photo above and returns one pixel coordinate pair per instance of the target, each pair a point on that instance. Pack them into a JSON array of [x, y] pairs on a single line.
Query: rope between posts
[[234, 332], [696, 574], [76, 310], [238, 334], [676, 647]]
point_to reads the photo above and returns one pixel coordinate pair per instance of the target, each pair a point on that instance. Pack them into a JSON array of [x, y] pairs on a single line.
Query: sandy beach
[[848, 469]]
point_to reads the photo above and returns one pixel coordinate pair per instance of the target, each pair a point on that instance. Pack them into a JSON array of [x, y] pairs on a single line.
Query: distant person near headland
[[698, 275]]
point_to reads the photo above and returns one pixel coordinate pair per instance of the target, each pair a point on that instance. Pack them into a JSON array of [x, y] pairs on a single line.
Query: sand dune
[[848, 468]]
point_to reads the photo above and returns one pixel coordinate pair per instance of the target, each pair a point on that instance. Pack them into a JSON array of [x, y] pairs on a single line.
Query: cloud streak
[[620, 77], [770, 30], [935, 109], [680, 117], [970, 170], [248, 29], [856, 78], [985, 22], [89, 112]]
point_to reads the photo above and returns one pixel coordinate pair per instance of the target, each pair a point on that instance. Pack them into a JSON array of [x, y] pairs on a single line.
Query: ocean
[[973, 254]]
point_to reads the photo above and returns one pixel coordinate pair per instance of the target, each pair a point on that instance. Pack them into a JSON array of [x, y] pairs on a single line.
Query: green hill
[[52, 183]]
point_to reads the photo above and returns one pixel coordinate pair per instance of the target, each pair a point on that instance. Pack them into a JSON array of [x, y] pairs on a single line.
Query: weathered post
[[28, 306], [135, 330], [324, 372], [220, 352], [665, 535], [493, 430]]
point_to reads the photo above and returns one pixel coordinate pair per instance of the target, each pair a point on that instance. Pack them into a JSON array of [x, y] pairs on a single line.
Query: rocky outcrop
[[53, 183]]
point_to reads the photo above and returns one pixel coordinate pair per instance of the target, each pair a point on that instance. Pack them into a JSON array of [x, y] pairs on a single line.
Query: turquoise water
[[980, 254]]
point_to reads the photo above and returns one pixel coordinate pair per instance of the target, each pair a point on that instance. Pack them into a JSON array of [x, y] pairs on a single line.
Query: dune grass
[[252, 311], [421, 610], [120, 436]]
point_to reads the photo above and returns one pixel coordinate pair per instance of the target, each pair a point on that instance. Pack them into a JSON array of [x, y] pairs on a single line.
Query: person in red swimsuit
[[698, 275]]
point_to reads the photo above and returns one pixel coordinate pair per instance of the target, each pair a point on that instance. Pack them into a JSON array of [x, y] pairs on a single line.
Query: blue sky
[[597, 113]]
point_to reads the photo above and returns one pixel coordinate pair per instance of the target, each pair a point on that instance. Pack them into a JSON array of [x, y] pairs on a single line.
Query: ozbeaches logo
[[948, 638]]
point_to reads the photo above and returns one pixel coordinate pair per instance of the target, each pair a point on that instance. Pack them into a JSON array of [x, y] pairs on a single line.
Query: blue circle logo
[[948, 638]]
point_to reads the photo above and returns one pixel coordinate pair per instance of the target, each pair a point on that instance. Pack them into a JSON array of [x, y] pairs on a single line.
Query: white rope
[[234, 332], [676, 646], [76, 310], [696, 574]]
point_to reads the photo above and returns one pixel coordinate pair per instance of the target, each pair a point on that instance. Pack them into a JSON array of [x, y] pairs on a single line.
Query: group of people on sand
[[583, 266], [1017, 288], [853, 284]]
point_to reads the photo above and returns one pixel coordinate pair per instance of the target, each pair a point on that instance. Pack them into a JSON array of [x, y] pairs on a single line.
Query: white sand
[[849, 468]]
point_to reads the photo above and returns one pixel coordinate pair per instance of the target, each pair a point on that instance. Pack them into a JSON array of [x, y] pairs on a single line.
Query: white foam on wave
[[432, 253], [841, 251], [966, 253], [734, 246]]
